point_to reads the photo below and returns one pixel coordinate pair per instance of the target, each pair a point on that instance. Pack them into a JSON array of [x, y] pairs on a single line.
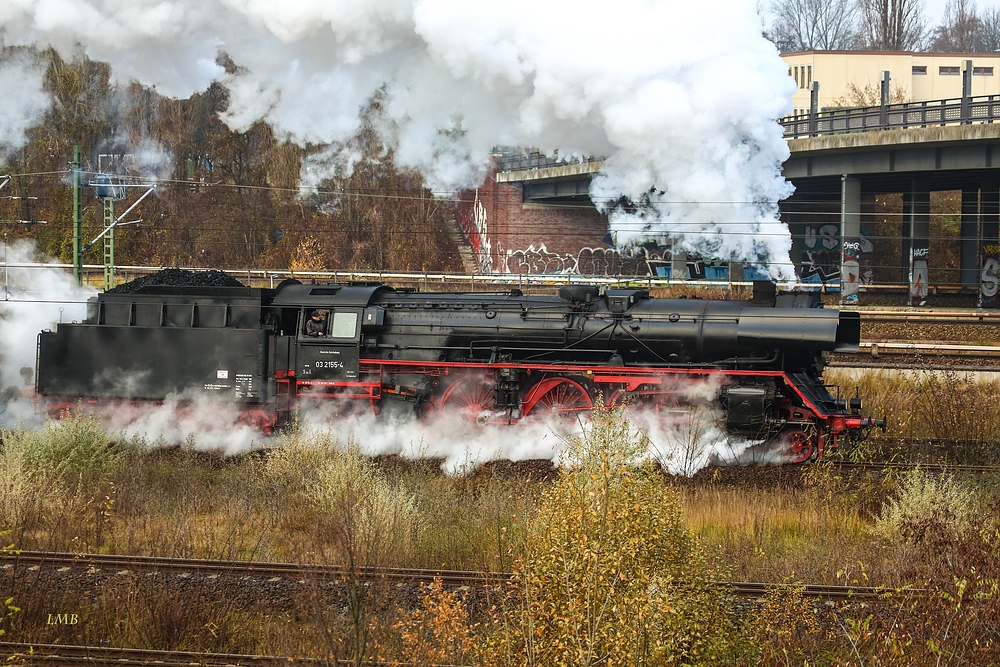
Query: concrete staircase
[[465, 251]]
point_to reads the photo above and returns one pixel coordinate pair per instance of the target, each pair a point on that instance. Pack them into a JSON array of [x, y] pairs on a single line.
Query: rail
[[936, 468], [21, 653], [943, 349], [37, 559], [954, 111], [932, 317]]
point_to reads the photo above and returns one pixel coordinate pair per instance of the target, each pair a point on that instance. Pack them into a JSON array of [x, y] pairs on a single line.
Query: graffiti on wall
[[918, 276], [850, 282], [825, 258], [537, 259], [989, 276], [482, 246], [821, 254]]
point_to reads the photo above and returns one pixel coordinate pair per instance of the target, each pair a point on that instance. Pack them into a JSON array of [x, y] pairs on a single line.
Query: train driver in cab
[[316, 325]]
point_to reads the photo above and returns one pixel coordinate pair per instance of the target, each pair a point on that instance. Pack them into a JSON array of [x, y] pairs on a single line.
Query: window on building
[[949, 70], [982, 71], [920, 69], [809, 75], [797, 77]]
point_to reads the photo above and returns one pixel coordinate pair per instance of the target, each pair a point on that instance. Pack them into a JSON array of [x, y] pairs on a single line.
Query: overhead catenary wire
[[180, 233], [449, 196]]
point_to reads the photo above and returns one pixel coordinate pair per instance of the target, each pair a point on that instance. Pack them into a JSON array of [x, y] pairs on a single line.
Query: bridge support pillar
[[969, 233], [850, 238], [989, 230], [678, 266], [916, 239]]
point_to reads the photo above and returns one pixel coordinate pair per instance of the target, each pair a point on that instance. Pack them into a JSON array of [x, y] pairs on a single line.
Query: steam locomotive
[[496, 357]]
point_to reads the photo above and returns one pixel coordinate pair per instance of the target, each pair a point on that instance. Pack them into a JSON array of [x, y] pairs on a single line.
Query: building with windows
[[914, 77]]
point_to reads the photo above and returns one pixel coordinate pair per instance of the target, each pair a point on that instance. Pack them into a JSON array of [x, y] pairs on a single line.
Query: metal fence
[[956, 111], [94, 277], [953, 111], [426, 281], [514, 159]]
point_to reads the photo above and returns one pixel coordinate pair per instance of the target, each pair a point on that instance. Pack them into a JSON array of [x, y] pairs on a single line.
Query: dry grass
[[316, 500], [778, 534], [947, 406]]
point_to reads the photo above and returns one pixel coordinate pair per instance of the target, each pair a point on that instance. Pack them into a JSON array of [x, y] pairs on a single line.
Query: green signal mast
[[110, 189]]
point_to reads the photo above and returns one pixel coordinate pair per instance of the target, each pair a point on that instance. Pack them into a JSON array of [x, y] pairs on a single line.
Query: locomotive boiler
[[495, 357]]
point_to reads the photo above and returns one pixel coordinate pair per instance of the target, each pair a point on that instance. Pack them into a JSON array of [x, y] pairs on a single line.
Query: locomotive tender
[[497, 357]]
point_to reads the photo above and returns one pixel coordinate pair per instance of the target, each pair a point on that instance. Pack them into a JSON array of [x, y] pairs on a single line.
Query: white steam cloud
[[24, 100], [683, 438], [35, 298], [681, 441], [194, 421], [679, 98]]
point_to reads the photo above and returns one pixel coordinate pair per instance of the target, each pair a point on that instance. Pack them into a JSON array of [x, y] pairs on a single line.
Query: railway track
[[981, 360], [928, 467], [19, 653], [63, 561], [99, 656], [931, 317], [62, 654], [958, 340], [118, 563]]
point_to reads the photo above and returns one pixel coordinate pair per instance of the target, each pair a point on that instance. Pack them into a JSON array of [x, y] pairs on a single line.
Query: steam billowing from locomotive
[[34, 299], [681, 101]]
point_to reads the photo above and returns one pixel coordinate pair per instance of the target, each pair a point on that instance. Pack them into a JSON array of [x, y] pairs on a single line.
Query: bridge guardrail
[[955, 111]]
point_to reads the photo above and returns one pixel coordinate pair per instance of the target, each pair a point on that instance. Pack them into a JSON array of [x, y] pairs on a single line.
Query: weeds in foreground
[[439, 631], [947, 406], [65, 469], [610, 575], [599, 554]]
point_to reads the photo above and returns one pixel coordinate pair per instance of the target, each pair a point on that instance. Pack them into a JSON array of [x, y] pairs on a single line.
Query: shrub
[[346, 500], [610, 575], [927, 510], [372, 521], [77, 451], [62, 460], [439, 631]]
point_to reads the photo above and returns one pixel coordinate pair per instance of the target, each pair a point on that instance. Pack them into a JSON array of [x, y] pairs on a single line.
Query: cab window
[[344, 325]]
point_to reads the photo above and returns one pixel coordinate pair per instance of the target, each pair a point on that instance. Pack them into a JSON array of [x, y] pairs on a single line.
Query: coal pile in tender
[[178, 278]]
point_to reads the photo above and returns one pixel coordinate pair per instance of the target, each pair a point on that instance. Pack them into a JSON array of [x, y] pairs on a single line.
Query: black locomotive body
[[495, 356]]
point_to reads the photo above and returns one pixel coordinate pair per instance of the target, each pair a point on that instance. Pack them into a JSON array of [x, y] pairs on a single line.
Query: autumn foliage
[[610, 575], [224, 199]]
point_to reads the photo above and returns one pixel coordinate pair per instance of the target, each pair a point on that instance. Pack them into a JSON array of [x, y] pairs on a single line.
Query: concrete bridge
[[861, 217], [839, 180]]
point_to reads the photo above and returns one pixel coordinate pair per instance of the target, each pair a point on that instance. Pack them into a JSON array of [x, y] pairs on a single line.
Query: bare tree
[[989, 31], [804, 25], [960, 30], [869, 95], [892, 25]]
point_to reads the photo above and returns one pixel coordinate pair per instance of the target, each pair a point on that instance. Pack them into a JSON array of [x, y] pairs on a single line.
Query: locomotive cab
[[328, 352]]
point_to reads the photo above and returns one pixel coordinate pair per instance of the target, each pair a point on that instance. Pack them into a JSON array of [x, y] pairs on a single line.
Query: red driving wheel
[[798, 446], [472, 396], [558, 395]]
